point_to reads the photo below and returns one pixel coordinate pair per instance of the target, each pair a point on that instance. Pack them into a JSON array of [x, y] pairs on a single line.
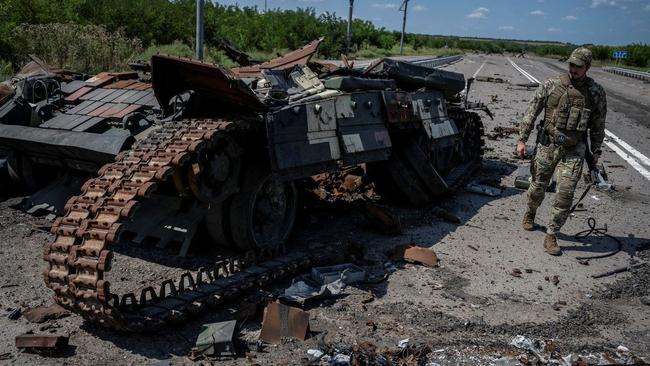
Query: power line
[[401, 41]]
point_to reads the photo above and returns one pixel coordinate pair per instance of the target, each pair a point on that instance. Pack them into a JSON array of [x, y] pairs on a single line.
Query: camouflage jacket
[[596, 121]]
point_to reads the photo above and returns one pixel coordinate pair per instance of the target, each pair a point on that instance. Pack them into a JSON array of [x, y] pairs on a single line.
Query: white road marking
[[630, 159], [478, 70], [637, 154], [523, 72]]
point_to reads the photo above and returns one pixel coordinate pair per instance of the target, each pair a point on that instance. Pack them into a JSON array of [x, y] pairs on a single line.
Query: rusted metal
[[382, 218], [300, 56], [415, 254], [218, 85], [282, 321], [37, 342]]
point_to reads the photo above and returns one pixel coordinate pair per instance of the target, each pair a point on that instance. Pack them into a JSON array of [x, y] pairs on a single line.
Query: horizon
[[628, 21]]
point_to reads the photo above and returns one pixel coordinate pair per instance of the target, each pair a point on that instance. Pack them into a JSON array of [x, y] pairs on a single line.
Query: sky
[[610, 22]]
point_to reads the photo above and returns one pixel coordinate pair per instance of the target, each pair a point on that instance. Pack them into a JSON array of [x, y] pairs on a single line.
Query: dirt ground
[[466, 311]]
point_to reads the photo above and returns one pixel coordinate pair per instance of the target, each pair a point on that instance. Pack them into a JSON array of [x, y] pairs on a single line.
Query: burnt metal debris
[[183, 143]]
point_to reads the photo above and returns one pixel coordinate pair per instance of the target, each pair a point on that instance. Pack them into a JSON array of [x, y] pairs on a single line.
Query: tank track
[[80, 254], [473, 133]]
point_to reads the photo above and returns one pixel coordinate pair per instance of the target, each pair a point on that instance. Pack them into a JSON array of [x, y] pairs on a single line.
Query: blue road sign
[[619, 54]]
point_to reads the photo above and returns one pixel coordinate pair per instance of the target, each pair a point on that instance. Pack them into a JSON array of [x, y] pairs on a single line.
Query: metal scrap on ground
[[41, 343], [282, 321], [216, 339], [415, 254]]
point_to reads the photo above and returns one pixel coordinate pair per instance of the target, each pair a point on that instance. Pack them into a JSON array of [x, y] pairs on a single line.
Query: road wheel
[[262, 214]]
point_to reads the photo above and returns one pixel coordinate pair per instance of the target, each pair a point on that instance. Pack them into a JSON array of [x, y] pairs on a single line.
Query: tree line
[[123, 25]]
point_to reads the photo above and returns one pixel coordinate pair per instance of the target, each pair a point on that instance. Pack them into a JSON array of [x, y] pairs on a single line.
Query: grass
[[601, 63], [6, 71], [374, 52]]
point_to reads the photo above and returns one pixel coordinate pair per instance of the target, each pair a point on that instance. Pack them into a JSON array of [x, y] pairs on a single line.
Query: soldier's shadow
[[600, 244]]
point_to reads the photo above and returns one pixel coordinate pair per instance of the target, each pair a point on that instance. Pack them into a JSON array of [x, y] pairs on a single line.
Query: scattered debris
[[41, 314], [483, 189], [502, 132], [316, 354], [304, 290], [645, 300], [516, 272], [352, 182], [403, 343], [490, 79], [216, 339], [555, 280], [382, 218], [472, 247], [536, 346], [618, 270], [41, 343], [445, 215], [415, 254], [281, 321], [348, 273], [14, 314]]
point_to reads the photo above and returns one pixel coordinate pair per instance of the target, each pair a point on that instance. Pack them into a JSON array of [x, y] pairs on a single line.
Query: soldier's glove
[[560, 139]]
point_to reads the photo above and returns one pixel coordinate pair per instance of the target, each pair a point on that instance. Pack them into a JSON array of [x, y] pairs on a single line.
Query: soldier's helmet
[[580, 56]]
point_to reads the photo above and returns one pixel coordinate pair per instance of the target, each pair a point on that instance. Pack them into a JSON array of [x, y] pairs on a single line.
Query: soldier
[[573, 103]]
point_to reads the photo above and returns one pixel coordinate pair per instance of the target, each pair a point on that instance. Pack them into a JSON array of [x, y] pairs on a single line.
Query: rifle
[[597, 175]]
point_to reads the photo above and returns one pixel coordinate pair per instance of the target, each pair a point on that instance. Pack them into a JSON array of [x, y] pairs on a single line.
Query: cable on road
[[600, 232]]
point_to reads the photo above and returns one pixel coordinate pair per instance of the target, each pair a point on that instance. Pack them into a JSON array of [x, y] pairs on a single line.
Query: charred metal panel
[[362, 130], [399, 107], [217, 87], [59, 146], [303, 135], [431, 108], [94, 125], [298, 57]]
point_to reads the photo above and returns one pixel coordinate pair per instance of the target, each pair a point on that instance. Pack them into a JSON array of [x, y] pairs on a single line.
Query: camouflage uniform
[[568, 158]]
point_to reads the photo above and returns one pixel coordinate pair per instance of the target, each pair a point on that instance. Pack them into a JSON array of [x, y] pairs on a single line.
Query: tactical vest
[[568, 110]]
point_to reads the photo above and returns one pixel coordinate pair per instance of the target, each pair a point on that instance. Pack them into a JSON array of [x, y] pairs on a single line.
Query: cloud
[[554, 30], [478, 13], [613, 3], [384, 5], [647, 7], [419, 8], [597, 3], [569, 17], [505, 28], [537, 12]]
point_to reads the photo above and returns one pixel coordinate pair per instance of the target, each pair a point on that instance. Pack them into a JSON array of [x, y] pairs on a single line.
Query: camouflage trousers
[[569, 163]]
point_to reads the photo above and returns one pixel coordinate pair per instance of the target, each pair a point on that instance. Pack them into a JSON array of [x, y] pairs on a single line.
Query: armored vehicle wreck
[[191, 144]]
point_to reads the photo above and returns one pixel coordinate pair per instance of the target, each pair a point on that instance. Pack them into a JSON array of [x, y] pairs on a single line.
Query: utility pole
[[199, 30], [349, 41], [401, 41]]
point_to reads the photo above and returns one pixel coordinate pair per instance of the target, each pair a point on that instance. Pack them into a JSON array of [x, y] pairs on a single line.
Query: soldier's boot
[[550, 245], [529, 220]]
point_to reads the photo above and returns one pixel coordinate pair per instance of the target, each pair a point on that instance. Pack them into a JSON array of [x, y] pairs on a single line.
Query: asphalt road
[[470, 307]]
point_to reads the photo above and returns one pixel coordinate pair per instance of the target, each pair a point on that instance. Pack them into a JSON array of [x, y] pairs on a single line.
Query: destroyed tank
[[179, 146]]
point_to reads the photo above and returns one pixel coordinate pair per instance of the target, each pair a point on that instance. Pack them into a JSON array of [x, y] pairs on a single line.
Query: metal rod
[[199, 29], [401, 41], [349, 40]]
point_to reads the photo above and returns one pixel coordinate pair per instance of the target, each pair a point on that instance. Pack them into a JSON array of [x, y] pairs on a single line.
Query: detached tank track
[[80, 254]]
